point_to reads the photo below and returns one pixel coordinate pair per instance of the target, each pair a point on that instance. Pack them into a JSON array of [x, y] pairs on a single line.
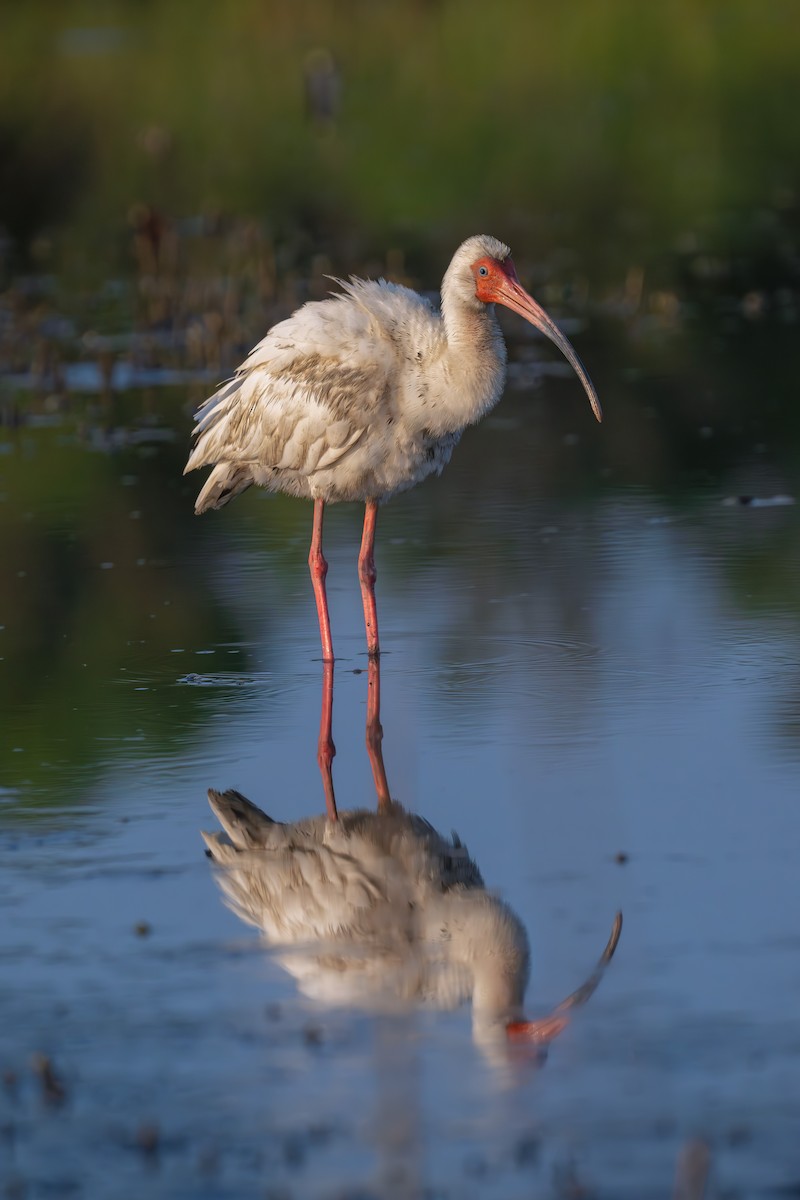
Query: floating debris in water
[[692, 1169], [53, 1090], [143, 929], [527, 1150], [148, 1138], [224, 679], [779, 501]]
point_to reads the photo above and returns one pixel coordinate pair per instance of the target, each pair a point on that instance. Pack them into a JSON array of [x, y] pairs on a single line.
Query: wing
[[285, 879], [309, 390], [295, 894]]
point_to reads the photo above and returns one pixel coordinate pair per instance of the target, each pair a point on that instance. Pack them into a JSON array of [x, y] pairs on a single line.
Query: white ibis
[[378, 909], [364, 394]]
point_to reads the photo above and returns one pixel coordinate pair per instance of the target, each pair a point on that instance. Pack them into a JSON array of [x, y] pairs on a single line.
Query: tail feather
[[245, 824], [225, 481]]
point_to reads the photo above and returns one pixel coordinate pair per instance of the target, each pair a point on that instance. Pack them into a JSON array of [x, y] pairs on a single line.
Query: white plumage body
[[358, 396]]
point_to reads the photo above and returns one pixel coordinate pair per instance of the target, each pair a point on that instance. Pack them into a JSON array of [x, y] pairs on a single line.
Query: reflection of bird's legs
[[319, 569], [367, 575], [375, 734], [325, 747]]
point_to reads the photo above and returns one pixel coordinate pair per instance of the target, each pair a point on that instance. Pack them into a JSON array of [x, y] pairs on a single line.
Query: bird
[[362, 395], [378, 909]]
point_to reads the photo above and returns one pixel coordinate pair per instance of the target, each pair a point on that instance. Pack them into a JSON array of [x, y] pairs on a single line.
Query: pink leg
[[375, 734], [319, 569], [367, 576], [325, 747]]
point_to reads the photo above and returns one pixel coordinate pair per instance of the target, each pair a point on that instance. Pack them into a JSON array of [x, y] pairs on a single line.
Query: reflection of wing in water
[[317, 878], [347, 897], [379, 909]]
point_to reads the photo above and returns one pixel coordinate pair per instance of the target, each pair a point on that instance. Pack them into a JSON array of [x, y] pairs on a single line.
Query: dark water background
[[592, 634]]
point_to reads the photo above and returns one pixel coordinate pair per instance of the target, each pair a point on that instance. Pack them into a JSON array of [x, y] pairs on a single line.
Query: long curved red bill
[[546, 1028], [511, 293]]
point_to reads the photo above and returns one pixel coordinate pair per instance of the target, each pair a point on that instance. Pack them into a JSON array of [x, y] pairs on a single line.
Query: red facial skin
[[499, 285], [486, 286]]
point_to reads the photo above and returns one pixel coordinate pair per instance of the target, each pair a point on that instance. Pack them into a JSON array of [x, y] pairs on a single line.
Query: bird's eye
[[483, 271]]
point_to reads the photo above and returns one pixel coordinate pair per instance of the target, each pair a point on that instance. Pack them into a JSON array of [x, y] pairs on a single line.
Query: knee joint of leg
[[374, 736], [318, 564], [326, 752]]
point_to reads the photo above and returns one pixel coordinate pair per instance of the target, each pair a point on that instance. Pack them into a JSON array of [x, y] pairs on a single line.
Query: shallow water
[[593, 679]]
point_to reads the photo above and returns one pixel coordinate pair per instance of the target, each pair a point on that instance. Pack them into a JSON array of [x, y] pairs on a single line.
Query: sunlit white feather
[[358, 396]]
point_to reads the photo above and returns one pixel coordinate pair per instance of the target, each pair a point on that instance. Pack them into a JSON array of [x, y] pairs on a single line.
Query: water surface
[[590, 672]]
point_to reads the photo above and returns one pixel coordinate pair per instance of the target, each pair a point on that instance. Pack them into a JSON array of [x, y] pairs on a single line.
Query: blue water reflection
[[567, 678]]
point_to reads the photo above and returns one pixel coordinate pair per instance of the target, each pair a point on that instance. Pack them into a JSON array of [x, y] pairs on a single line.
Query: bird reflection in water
[[378, 909]]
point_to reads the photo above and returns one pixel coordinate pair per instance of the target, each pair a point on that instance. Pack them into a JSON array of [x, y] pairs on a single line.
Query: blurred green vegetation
[[617, 131]]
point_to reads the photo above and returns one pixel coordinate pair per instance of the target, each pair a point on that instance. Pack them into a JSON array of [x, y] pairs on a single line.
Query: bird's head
[[500, 1028], [489, 276]]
